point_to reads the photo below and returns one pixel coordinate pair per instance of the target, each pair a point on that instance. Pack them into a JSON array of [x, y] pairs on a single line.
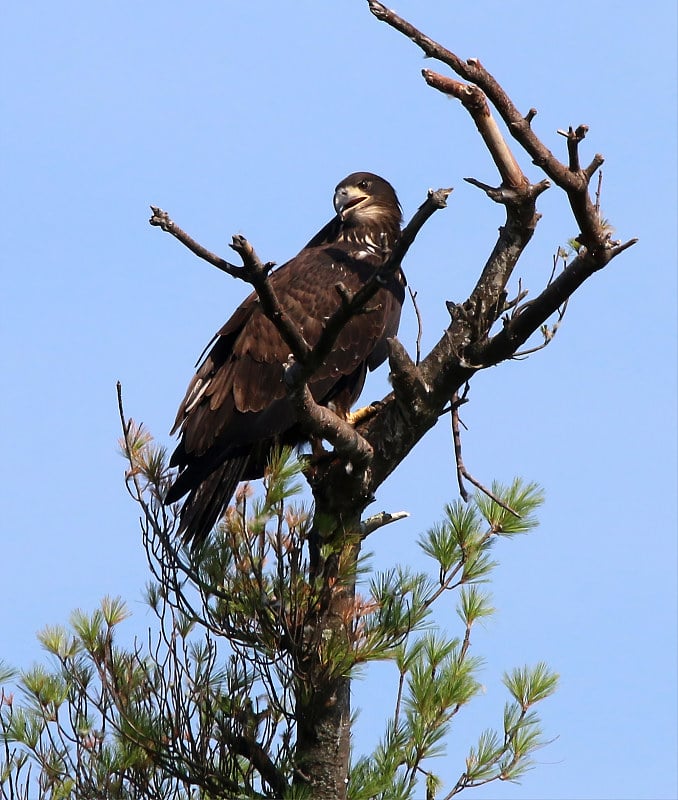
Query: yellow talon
[[361, 415]]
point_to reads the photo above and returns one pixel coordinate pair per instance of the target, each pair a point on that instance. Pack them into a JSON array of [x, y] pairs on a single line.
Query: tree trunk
[[323, 700], [323, 738]]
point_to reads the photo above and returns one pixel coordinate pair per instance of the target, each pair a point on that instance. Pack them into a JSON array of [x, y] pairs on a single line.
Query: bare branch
[[475, 102], [256, 273], [161, 219], [377, 521], [253, 271], [534, 314], [547, 332], [355, 303], [571, 179], [598, 191], [462, 472], [573, 139], [435, 200], [409, 387], [619, 248], [420, 325]]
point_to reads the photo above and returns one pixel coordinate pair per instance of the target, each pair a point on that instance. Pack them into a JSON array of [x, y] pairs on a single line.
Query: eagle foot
[[361, 415]]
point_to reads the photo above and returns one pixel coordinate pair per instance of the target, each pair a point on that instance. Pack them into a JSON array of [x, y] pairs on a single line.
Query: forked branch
[[571, 178], [468, 344]]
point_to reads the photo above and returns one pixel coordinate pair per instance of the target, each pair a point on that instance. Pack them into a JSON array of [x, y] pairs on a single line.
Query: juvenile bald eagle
[[236, 407]]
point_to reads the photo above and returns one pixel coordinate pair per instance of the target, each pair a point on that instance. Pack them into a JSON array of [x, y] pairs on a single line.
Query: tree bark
[[323, 707], [323, 740]]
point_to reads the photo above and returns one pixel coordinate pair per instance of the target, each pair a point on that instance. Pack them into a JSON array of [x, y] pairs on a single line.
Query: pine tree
[[210, 705], [244, 688]]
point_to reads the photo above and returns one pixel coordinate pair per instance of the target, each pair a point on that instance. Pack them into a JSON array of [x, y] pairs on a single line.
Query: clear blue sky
[[241, 117]]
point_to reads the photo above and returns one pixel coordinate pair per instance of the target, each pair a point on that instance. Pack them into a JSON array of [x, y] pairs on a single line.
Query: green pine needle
[[473, 605], [523, 498], [530, 685]]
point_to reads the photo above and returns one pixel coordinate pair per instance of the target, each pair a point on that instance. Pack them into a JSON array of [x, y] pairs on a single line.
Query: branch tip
[[597, 161], [621, 247], [377, 521], [438, 197], [160, 219]]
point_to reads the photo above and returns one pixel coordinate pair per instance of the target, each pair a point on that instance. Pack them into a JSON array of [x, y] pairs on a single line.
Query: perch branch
[[343, 436], [319, 421]]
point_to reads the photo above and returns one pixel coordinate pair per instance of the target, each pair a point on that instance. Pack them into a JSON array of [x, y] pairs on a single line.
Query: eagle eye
[[364, 185]]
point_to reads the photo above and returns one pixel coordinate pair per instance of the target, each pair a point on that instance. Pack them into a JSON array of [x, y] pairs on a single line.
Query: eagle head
[[364, 200]]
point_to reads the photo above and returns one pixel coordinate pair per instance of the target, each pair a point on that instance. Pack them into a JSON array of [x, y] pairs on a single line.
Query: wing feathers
[[206, 502], [237, 404], [243, 371]]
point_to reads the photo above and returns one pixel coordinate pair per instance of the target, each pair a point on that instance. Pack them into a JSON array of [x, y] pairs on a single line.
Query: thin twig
[[148, 515], [420, 326], [462, 472], [598, 191]]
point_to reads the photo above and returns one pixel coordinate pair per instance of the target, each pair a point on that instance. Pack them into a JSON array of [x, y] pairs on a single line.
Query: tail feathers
[[205, 503]]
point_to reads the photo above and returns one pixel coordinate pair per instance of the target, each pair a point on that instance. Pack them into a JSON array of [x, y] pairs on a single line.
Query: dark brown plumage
[[236, 407]]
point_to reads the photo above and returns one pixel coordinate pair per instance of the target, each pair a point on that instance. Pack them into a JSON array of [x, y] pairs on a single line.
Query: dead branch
[[256, 273], [420, 324], [435, 200], [548, 332], [475, 102], [323, 423], [409, 387], [162, 220], [462, 472], [355, 303], [573, 180], [377, 521], [467, 344], [252, 271]]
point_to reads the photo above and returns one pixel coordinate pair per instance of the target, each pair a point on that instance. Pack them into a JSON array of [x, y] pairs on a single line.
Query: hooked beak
[[346, 198]]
